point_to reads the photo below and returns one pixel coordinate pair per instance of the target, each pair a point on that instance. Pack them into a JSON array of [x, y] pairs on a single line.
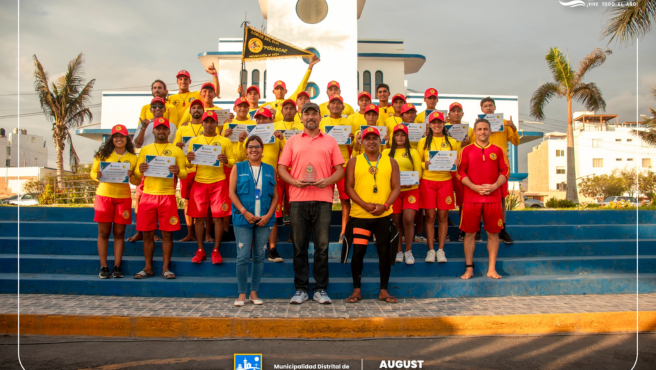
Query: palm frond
[[77, 119], [596, 58], [541, 97], [41, 88], [560, 68], [626, 23], [74, 77], [82, 100], [590, 96]]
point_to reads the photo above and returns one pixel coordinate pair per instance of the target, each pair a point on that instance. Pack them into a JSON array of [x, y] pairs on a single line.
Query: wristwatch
[[386, 206]]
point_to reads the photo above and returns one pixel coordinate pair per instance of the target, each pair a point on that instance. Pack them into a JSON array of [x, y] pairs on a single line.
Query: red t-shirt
[[322, 152], [482, 165]]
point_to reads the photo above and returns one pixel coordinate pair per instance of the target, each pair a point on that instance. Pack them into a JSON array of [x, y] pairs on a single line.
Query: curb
[[373, 327]]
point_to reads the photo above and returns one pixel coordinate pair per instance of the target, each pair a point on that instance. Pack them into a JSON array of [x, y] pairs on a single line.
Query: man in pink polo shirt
[[316, 164]]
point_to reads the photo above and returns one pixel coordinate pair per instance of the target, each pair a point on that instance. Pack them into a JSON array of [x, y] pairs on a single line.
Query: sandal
[[389, 299], [168, 275], [353, 299], [143, 274]]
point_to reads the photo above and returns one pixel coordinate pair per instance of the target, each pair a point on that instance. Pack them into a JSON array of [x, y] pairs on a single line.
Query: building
[[21, 149], [5, 149], [12, 179]]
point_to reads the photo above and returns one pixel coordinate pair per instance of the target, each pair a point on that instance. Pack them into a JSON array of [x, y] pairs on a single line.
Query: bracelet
[[242, 210], [215, 74]]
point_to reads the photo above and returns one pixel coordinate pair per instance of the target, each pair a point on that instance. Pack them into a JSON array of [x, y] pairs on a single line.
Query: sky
[[474, 47]]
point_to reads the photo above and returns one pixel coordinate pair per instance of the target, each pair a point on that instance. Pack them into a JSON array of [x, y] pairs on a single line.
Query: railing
[[75, 189]]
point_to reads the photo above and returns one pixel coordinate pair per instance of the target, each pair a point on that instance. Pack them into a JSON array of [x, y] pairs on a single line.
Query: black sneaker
[[461, 236], [274, 256], [104, 273], [118, 272], [503, 236], [478, 237]]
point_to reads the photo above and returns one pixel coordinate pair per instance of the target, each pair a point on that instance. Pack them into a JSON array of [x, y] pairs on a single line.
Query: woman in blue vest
[[254, 196]]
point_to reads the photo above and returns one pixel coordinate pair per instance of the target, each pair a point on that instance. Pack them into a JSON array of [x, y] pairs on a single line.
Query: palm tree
[[626, 23], [65, 104], [569, 84], [649, 123]]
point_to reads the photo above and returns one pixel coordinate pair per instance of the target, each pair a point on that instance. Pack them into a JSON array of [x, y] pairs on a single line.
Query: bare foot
[[493, 274], [188, 238], [157, 238], [469, 273], [135, 237], [209, 239]]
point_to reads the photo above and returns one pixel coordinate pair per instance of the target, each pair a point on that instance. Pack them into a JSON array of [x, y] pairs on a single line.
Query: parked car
[[607, 201], [533, 203], [8, 199], [26, 200]]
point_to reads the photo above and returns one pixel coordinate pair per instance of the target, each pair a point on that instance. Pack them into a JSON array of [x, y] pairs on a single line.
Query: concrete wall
[[4, 145], [12, 179], [31, 153]]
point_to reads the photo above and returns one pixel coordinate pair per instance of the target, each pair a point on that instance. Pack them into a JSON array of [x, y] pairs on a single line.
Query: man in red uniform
[[483, 170]]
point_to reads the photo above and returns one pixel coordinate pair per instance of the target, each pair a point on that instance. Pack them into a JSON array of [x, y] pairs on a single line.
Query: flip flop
[[353, 299], [143, 274], [389, 299], [168, 275]]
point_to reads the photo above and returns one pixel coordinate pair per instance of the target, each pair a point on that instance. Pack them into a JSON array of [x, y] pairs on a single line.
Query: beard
[[196, 115]]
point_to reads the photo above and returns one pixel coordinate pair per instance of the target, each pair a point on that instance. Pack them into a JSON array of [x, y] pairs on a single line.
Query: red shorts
[[186, 185], [340, 189], [406, 200], [280, 204], [154, 209], [470, 221], [140, 187], [458, 188], [214, 195], [436, 194], [504, 189], [116, 210]]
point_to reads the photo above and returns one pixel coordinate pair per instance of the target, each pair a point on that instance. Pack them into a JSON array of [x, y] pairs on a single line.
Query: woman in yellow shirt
[[407, 204], [113, 203], [436, 188]]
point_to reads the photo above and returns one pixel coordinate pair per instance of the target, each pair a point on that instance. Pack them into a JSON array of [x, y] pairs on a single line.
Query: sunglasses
[[254, 147], [157, 106]]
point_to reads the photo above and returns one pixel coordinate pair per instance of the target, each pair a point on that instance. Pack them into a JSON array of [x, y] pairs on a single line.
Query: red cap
[[400, 127], [371, 108], [453, 105], [398, 96], [241, 101], [436, 115], [430, 92], [162, 121], [263, 112], [364, 93], [288, 101], [303, 93], [183, 73], [336, 97], [253, 88], [211, 114], [208, 84], [333, 83], [120, 129], [408, 106], [157, 99], [280, 83], [197, 102], [370, 130]]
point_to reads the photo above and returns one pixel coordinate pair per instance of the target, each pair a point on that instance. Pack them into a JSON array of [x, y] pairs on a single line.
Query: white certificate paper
[[496, 121], [185, 141], [206, 155], [289, 133], [460, 132], [381, 129], [222, 115], [158, 166], [237, 129], [429, 111], [265, 132], [409, 178], [442, 160], [416, 131], [114, 172], [340, 133]]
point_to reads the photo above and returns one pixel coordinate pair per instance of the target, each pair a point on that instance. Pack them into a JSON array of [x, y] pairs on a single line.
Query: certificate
[[459, 132], [289, 133], [222, 115], [442, 160], [409, 178], [340, 133], [416, 131], [114, 172], [185, 141], [237, 129], [381, 129], [496, 121], [264, 131], [158, 166], [429, 111], [206, 155]]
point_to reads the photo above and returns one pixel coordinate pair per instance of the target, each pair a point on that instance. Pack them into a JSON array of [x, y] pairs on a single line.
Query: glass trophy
[[310, 174]]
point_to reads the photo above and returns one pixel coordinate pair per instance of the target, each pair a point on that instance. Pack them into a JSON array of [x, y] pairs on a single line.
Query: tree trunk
[[60, 163], [572, 189]]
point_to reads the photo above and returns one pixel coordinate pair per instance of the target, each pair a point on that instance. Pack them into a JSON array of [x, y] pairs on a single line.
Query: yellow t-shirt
[[344, 149], [160, 185], [235, 146], [413, 163], [470, 134], [112, 190], [364, 185], [348, 110], [171, 113], [386, 112], [270, 154], [501, 139], [393, 122], [277, 104], [357, 119], [183, 101], [190, 130], [186, 116], [438, 143], [282, 125], [210, 174]]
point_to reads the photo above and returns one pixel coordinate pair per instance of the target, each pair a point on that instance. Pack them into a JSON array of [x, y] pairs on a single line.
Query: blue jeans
[[310, 218], [259, 237]]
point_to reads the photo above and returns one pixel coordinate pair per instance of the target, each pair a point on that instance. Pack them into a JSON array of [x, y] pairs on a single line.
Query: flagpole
[[244, 25]]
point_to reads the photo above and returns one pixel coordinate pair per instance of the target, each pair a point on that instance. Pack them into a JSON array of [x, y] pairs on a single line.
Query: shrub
[[560, 203]]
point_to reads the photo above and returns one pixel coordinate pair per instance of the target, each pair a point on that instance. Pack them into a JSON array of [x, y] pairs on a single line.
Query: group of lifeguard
[[166, 123]]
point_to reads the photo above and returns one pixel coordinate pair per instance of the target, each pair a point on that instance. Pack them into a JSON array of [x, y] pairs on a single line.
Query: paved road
[[616, 351]]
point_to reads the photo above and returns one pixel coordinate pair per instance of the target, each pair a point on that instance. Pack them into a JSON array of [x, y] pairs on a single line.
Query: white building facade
[[22, 149]]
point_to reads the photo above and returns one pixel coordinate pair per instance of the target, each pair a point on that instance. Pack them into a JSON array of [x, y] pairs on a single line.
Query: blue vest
[[246, 192]]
